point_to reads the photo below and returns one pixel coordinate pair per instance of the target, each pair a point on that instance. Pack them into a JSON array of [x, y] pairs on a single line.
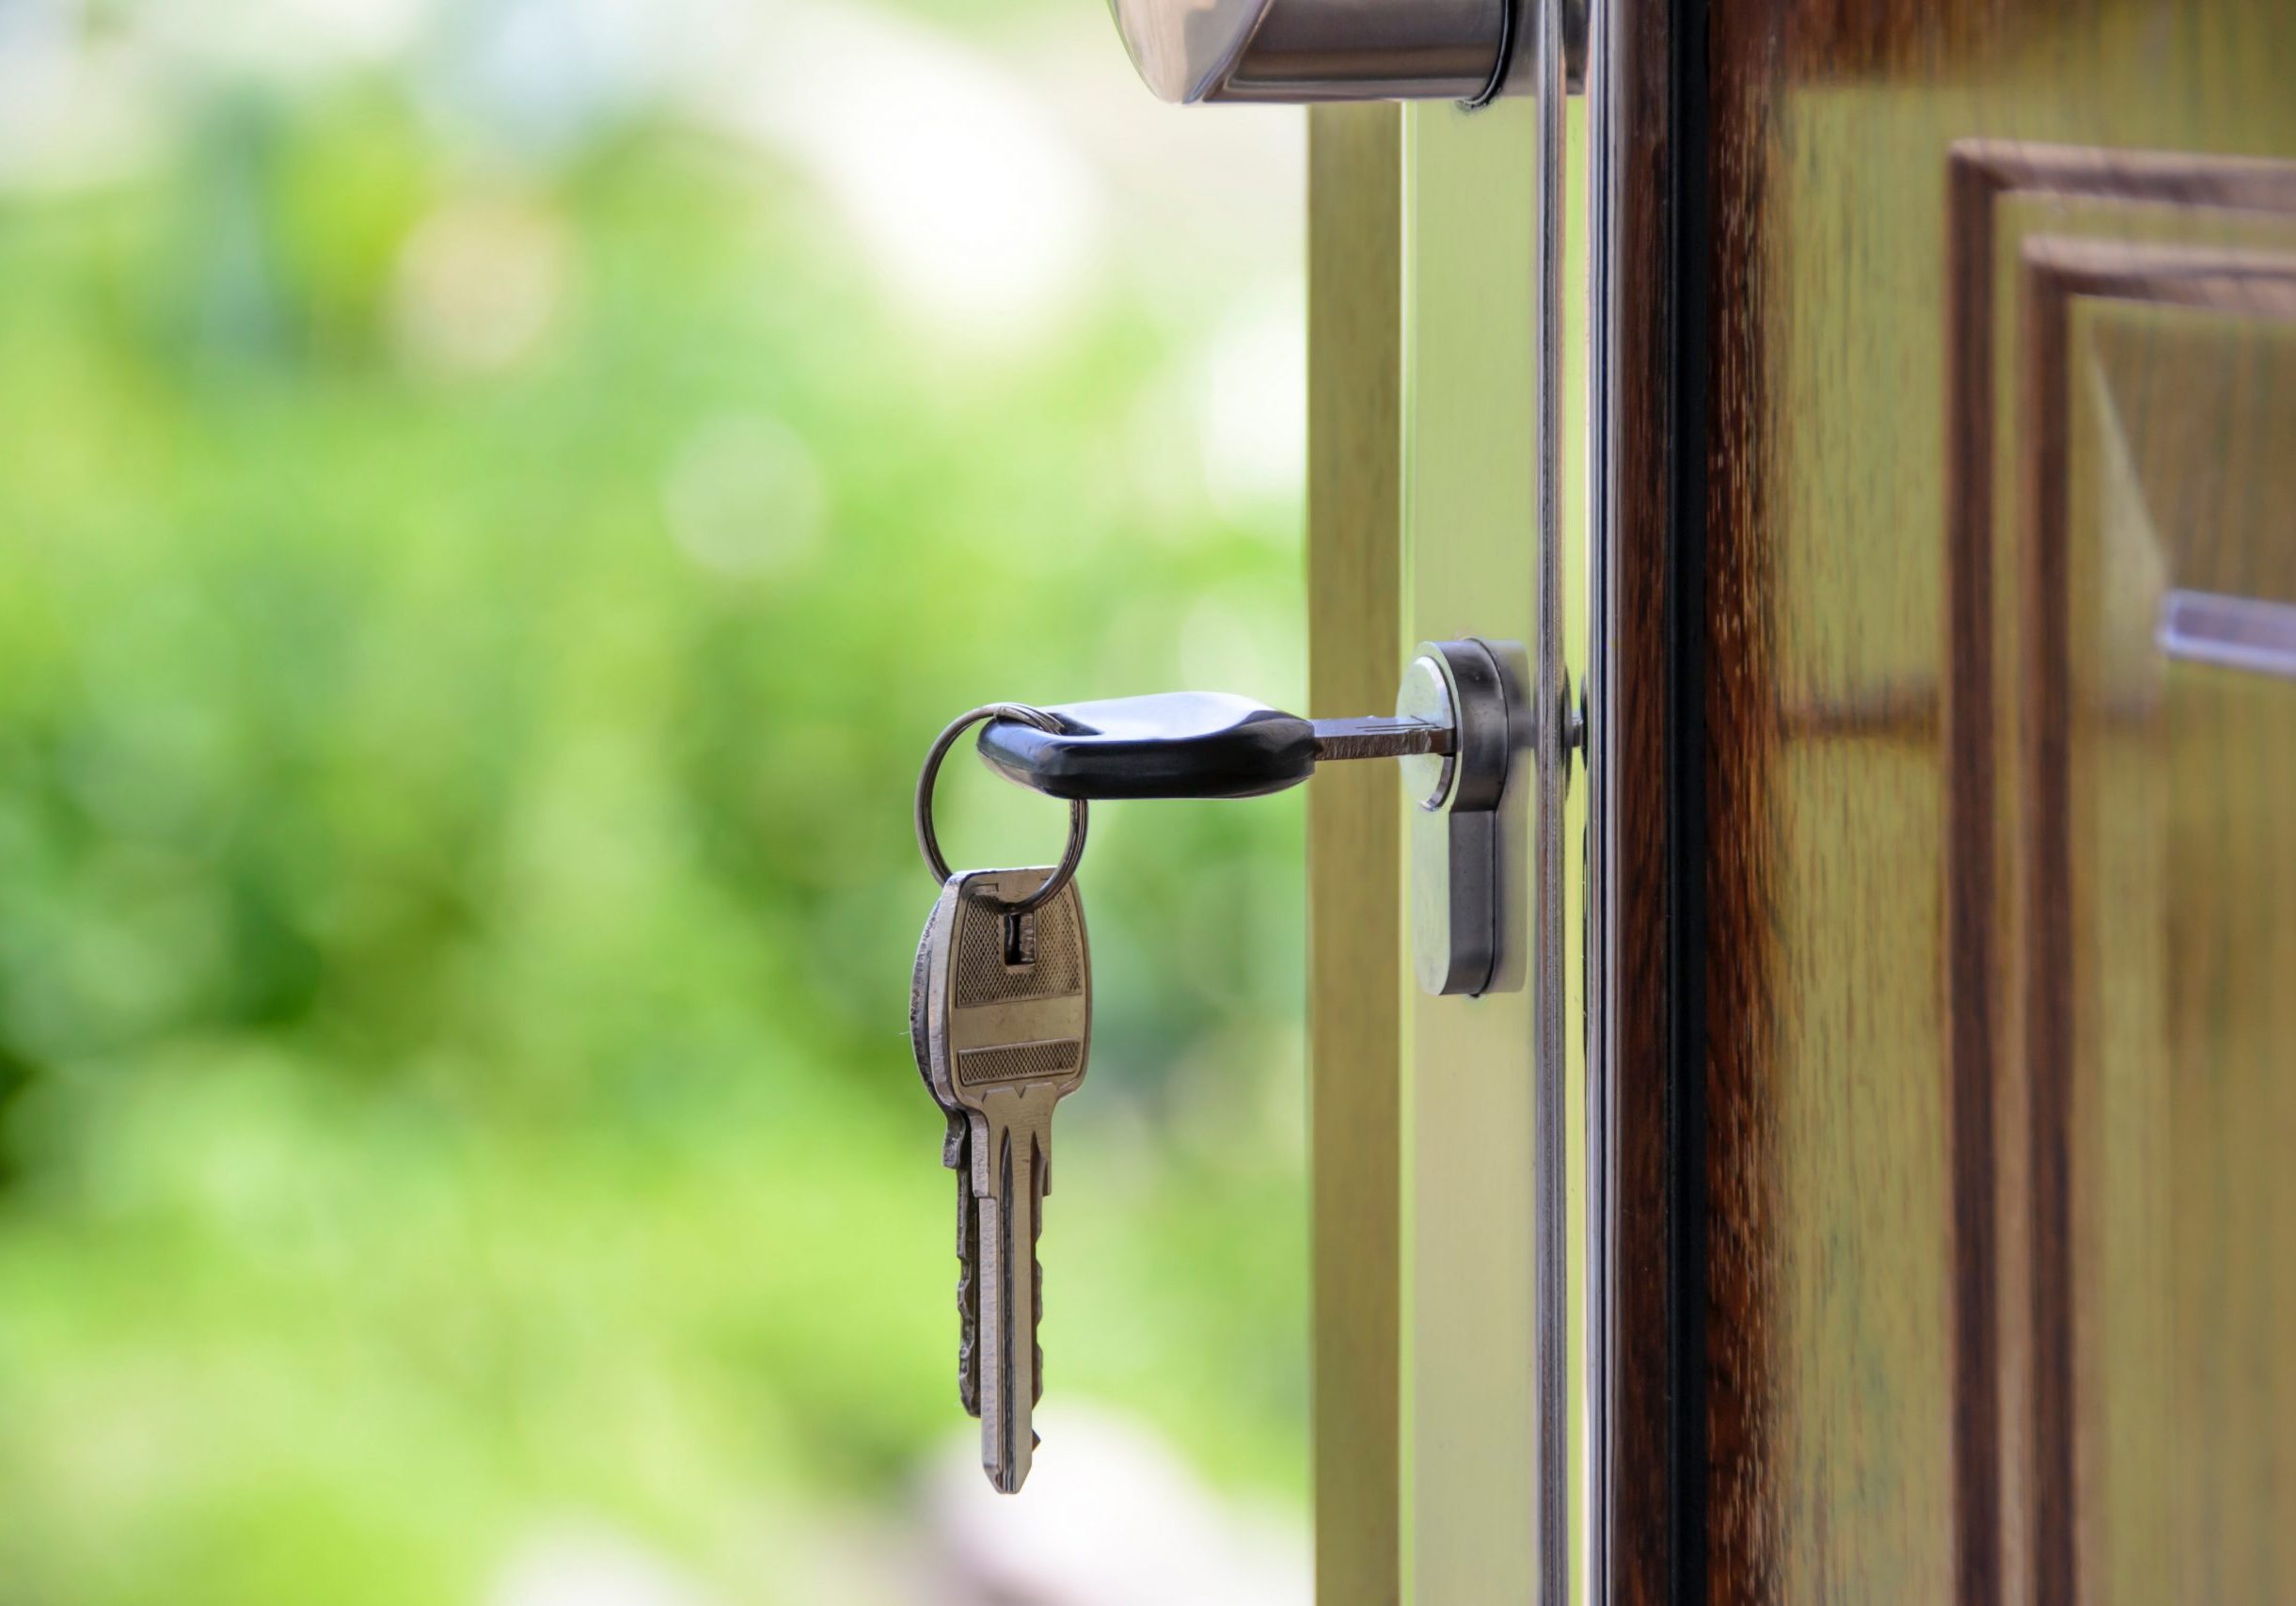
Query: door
[[1938, 869], [1974, 765]]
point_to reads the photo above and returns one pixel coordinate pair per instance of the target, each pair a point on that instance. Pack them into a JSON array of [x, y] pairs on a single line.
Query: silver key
[[1006, 1004]]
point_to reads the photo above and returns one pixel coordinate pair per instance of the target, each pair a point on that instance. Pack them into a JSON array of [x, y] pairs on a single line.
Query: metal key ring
[[928, 840]]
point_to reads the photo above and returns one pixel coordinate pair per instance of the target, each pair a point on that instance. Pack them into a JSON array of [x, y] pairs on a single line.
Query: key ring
[[928, 840]]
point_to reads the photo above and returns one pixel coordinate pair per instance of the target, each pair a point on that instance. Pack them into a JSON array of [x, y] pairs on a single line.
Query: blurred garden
[[495, 497]]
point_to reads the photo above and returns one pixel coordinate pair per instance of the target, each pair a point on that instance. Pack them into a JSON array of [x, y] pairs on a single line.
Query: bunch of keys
[[1000, 1015]]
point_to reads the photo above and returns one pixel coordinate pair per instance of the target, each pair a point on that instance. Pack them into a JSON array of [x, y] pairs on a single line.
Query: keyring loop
[[928, 840]]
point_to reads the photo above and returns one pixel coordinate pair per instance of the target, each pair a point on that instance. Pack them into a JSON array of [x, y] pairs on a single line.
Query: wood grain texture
[[1355, 958], [1754, 983], [1641, 1304], [1991, 1202], [2129, 1502], [1858, 1374]]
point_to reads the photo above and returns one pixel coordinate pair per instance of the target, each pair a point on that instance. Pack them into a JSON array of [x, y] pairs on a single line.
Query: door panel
[[1990, 876], [1470, 1125], [2159, 725], [2022, 218]]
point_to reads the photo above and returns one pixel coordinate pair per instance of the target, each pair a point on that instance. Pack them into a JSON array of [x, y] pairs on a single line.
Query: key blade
[[1380, 736], [1011, 1217]]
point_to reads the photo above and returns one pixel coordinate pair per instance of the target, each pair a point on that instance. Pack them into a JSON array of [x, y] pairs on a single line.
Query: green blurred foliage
[[453, 943]]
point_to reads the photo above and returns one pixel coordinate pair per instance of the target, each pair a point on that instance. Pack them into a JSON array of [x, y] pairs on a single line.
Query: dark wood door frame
[[1647, 1367]]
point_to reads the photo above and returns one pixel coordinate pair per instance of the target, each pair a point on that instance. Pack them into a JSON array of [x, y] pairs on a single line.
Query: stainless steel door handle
[[1301, 51]]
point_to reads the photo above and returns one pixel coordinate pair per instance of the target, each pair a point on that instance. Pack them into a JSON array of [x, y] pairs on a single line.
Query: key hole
[[1020, 939]]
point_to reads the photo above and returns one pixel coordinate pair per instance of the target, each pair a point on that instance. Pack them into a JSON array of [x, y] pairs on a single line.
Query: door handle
[[1297, 52]]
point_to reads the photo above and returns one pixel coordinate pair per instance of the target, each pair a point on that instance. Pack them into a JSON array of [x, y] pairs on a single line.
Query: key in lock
[[1462, 719]]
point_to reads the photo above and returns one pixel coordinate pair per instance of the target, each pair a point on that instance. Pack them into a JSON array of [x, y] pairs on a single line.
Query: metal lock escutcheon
[[1457, 853]]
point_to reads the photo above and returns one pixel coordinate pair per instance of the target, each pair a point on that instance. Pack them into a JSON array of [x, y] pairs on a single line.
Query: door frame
[[1639, 1517], [1354, 826]]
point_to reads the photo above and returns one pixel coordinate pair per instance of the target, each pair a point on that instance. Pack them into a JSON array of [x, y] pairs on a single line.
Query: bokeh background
[[495, 497]]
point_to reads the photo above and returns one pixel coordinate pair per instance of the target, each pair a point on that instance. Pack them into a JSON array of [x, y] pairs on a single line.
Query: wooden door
[[1940, 971], [1946, 799]]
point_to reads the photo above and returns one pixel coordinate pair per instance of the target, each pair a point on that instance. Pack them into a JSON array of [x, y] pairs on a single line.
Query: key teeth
[[968, 1373], [968, 1279]]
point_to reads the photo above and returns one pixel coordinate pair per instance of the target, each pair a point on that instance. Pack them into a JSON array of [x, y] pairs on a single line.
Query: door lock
[[1460, 718]]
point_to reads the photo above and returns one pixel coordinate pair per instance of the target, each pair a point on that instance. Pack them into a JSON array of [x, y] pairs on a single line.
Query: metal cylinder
[[1301, 50]]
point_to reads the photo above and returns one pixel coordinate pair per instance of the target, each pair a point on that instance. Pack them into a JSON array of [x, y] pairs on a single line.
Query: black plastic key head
[[1181, 745]]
